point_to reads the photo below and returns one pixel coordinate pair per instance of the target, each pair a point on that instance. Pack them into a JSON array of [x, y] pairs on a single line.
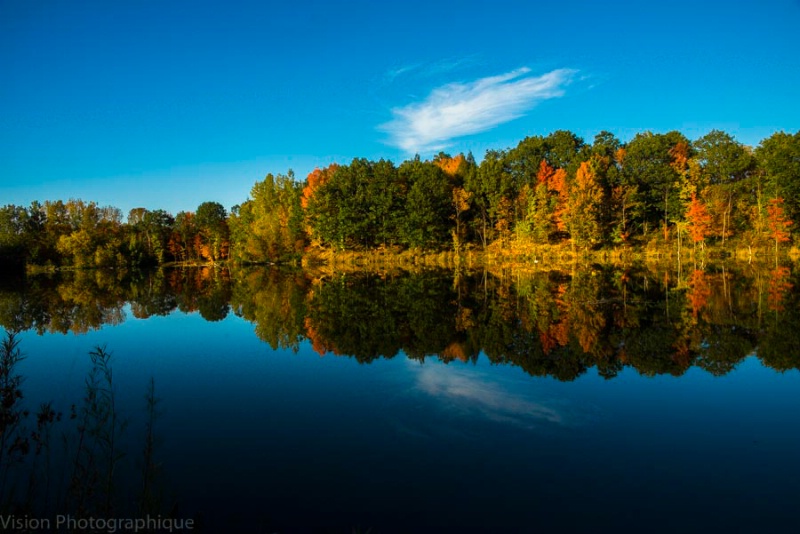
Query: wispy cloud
[[459, 109], [390, 75], [428, 69]]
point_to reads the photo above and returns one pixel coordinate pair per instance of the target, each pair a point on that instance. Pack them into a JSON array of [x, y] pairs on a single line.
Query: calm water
[[587, 401]]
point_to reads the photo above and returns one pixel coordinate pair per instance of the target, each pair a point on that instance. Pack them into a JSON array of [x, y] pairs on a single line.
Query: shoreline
[[496, 256]]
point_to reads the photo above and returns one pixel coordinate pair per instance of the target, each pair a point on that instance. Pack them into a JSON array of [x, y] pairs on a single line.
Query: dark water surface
[[594, 400]]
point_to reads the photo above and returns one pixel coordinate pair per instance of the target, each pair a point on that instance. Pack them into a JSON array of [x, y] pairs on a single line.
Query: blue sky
[[169, 104]]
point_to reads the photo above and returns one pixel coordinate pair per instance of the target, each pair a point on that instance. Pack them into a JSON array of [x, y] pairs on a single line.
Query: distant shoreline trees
[[555, 189]]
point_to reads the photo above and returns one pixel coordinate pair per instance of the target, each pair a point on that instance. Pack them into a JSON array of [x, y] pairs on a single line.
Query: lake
[[591, 399]]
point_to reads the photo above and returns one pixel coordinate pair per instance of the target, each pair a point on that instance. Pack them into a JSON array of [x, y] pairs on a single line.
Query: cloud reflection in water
[[468, 390]]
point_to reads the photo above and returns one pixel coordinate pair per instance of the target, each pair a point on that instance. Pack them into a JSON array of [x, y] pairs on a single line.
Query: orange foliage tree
[[583, 208], [537, 204], [699, 220], [557, 183], [680, 156], [680, 164], [316, 179], [449, 165], [545, 174], [619, 156], [778, 222]]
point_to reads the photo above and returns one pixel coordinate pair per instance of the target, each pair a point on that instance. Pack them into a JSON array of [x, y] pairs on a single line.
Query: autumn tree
[[722, 165], [539, 211], [540, 214], [148, 235], [268, 226], [456, 168], [182, 238], [779, 157], [699, 221], [524, 160], [626, 206], [212, 239], [449, 165], [608, 173], [584, 208], [94, 238], [48, 222], [560, 188], [316, 179], [652, 163], [493, 191], [561, 149], [778, 222], [322, 213], [537, 205], [680, 164]]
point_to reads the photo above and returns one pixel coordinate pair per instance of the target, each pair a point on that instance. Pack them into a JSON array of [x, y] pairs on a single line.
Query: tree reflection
[[151, 295], [779, 346], [358, 316], [549, 323], [203, 289], [275, 302], [83, 301]]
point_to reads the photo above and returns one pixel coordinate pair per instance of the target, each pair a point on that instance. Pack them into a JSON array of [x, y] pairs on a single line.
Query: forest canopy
[[557, 189]]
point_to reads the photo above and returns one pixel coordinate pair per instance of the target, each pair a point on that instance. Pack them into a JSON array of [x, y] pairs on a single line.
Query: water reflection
[[292, 439], [477, 394], [555, 323]]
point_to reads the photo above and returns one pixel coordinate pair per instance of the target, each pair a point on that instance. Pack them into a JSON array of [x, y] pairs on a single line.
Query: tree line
[[548, 190]]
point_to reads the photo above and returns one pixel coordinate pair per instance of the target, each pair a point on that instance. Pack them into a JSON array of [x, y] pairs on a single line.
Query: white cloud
[[459, 109]]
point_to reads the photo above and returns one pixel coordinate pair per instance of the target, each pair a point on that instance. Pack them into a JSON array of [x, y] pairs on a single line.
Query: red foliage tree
[[558, 183], [545, 173], [699, 220], [778, 222], [316, 179]]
